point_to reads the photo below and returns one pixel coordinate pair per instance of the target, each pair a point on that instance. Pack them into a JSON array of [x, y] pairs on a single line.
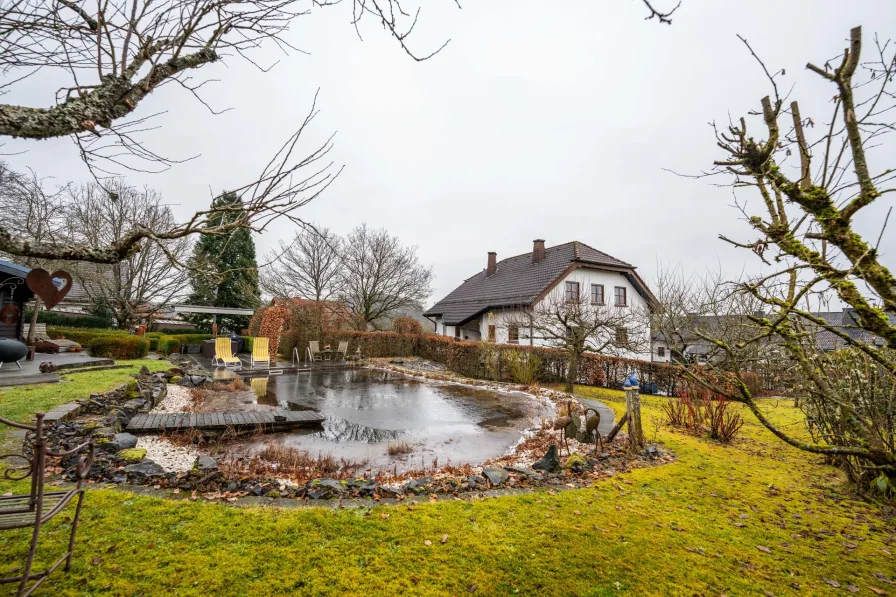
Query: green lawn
[[19, 403], [668, 530]]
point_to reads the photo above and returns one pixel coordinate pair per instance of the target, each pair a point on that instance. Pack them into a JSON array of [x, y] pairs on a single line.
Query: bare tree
[[35, 213], [117, 53], [574, 324], [380, 276], [144, 282], [308, 267], [805, 232]]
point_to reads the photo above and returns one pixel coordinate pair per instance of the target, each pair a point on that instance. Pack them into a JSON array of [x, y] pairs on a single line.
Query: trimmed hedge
[[84, 336], [169, 344], [69, 321], [182, 331], [119, 347], [490, 361], [248, 343]]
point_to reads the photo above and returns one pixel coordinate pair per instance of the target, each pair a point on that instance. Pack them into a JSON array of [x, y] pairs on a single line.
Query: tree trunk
[[30, 340], [633, 412], [572, 372]]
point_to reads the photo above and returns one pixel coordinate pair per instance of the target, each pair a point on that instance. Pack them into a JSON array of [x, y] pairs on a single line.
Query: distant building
[[487, 303]]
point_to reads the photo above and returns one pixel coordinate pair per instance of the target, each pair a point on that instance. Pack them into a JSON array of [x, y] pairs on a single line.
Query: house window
[[457, 332], [491, 333], [572, 292], [513, 334], [620, 297], [621, 336], [597, 294], [661, 351]]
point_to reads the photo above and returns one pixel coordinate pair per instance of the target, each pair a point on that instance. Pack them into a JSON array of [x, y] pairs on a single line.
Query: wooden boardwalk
[[269, 419]]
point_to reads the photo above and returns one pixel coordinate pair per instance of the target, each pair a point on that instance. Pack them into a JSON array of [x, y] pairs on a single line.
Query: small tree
[[805, 232], [574, 325], [380, 276], [224, 271]]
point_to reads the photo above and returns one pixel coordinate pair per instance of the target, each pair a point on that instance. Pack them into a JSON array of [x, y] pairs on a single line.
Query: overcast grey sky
[[534, 122]]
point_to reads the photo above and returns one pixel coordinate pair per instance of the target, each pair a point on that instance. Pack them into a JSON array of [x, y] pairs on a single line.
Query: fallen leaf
[[444, 538], [744, 516], [877, 591], [433, 497], [384, 516], [427, 543], [882, 577], [852, 588], [576, 512], [763, 549], [97, 561], [739, 525], [472, 587], [850, 545], [833, 583]]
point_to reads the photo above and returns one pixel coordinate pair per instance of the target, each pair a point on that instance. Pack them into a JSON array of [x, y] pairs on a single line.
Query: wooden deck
[[269, 419]]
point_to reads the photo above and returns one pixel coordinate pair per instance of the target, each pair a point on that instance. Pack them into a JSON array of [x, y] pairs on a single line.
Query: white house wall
[[477, 328]]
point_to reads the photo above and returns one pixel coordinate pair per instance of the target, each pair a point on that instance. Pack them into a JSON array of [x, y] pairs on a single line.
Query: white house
[[490, 304]]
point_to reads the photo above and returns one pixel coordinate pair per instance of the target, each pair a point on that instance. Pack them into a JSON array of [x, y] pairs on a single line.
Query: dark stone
[[652, 452], [474, 481], [330, 484], [205, 463], [495, 476], [121, 441], [134, 406], [393, 491], [144, 470], [258, 490], [232, 487], [316, 494], [106, 432], [144, 370], [550, 461], [522, 470]]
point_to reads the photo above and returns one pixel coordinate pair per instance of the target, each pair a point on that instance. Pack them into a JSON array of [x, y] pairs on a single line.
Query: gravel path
[[177, 400], [166, 454]]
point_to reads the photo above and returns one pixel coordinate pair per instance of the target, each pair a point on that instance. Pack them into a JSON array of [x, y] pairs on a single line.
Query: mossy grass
[[692, 527]]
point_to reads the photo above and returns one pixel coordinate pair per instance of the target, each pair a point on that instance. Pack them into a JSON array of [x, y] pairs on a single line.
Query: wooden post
[[633, 412]]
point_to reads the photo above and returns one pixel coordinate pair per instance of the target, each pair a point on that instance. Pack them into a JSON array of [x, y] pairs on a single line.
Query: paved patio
[[10, 375]]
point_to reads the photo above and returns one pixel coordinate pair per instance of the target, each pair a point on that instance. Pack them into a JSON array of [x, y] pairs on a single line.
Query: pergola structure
[[214, 312]]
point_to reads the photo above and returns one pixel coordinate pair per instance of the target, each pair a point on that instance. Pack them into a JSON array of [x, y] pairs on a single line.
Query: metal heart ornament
[[41, 283], [9, 314]]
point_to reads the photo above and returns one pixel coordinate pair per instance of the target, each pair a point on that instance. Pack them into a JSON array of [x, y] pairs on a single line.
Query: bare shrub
[[525, 368], [700, 411], [398, 448]]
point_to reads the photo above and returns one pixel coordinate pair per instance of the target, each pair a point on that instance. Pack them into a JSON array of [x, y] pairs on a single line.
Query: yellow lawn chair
[[260, 352], [224, 354]]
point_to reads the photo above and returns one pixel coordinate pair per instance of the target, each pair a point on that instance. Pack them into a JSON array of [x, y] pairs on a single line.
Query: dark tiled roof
[[518, 281], [845, 322]]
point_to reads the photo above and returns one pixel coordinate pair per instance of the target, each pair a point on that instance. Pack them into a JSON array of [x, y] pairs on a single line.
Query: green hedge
[[153, 338], [169, 344], [83, 336], [477, 359], [182, 331], [248, 343], [69, 321], [119, 347]]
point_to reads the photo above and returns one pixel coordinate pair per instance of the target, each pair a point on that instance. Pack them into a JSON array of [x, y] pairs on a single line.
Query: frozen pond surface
[[366, 410]]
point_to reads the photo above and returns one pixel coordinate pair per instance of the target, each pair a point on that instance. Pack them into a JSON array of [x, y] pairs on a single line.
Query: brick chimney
[[492, 263], [538, 250]]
